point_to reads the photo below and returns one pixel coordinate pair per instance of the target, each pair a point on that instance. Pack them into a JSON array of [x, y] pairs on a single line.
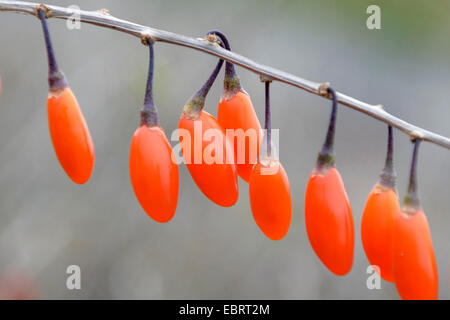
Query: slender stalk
[[268, 125], [56, 78], [149, 112], [203, 92], [52, 64], [101, 19], [326, 155], [411, 201], [231, 83], [390, 150], [196, 103], [388, 175]]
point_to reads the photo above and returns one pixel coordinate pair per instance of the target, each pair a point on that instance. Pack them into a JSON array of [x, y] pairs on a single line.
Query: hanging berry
[[328, 216], [210, 163], [377, 222], [236, 112], [270, 195], [153, 173], [68, 129], [415, 270]]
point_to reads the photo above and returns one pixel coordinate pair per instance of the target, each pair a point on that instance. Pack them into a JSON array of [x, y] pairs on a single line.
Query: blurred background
[[48, 223]]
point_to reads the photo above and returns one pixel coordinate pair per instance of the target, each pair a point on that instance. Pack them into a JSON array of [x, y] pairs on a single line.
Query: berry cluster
[[395, 239]]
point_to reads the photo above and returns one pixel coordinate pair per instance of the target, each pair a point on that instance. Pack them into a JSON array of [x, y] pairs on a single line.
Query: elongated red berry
[[270, 198], [328, 216], [377, 222], [270, 195], [70, 135], [415, 270], [329, 221], [206, 150], [236, 113], [153, 173], [68, 129]]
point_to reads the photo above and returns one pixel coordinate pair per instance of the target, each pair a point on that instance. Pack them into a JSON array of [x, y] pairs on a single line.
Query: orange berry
[[270, 199], [270, 195], [415, 271], [153, 174], [70, 135], [217, 180], [329, 221], [68, 129], [237, 113], [328, 216], [377, 226], [210, 163], [377, 222]]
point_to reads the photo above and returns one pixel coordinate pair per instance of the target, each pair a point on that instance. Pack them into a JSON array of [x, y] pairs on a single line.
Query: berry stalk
[[268, 125], [326, 155], [149, 112], [56, 79], [231, 82], [411, 200], [196, 103], [388, 176]]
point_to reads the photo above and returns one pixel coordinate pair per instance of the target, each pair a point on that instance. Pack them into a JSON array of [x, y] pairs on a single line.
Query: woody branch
[[103, 19]]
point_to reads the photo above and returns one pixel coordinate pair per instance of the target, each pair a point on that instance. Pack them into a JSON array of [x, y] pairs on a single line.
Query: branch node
[[323, 89], [145, 38], [104, 11], [264, 78], [211, 38], [414, 135], [379, 106], [45, 9]]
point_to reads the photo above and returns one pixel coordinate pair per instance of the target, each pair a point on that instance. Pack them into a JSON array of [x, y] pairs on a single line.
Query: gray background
[[48, 223]]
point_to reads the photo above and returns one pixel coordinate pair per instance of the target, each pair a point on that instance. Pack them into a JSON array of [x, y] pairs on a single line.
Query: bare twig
[[103, 19]]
